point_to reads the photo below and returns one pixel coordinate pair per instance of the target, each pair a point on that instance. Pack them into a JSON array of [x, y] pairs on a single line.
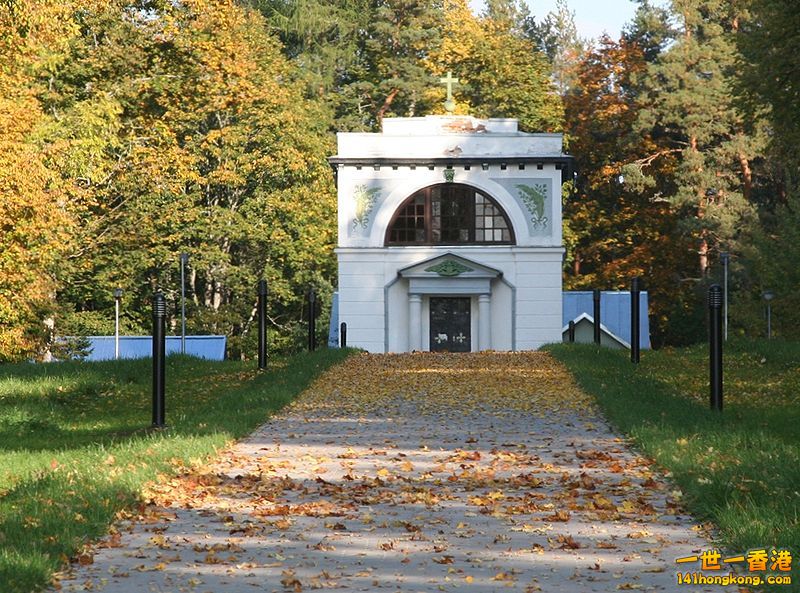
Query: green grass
[[739, 469], [76, 448]]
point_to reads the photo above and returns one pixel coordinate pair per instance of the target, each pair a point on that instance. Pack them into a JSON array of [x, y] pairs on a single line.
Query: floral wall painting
[[534, 196], [365, 198]]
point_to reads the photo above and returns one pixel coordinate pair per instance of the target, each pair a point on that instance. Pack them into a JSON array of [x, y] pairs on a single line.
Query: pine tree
[[770, 45], [322, 37], [391, 77], [613, 231], [689, 110], [557, 36]]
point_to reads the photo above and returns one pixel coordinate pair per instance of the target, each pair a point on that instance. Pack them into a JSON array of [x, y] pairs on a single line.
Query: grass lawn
[[739, 470], [76, 448]]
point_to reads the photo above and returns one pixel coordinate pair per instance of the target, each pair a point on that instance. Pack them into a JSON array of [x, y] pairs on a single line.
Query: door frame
[[463, 300], [426, 318]]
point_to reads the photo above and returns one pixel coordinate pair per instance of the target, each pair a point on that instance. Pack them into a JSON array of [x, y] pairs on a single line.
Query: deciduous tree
[[35, 208], [502, 74], [209, 148]]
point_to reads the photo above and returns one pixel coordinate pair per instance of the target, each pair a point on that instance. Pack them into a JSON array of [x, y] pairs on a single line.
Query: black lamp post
[[159, 354], [715, 345], [596, 295], [636, 288], [184, 262], [262, 324], [768, 295], [117, 297]]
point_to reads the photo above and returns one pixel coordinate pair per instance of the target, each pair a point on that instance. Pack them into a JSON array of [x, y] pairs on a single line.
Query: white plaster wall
[[539, 305], [366, 268], [427, 138], [398, 316], [396, 185], [501, 313], [534, 272], [361, 302]]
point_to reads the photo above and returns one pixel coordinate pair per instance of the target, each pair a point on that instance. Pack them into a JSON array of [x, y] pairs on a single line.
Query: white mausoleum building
[[450, 235]]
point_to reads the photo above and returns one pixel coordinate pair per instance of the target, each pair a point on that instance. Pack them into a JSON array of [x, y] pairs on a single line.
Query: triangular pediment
[[449, 265]]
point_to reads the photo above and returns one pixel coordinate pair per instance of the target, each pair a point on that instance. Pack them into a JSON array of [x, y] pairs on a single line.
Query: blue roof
[[615, 312], [208, 347]]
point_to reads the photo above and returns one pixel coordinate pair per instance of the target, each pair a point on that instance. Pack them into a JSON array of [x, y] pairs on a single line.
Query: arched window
[[449, 214]]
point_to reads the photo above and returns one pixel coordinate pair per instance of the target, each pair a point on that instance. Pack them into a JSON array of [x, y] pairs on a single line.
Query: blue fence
[[208, 347]]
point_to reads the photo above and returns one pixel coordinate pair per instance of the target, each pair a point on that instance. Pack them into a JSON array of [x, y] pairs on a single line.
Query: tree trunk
[[703, 251], [701, 212], [747, 175], [193, 285], [386, 104]]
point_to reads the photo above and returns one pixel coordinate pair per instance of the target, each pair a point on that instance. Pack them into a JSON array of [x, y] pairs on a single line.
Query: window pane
[[458, 215]]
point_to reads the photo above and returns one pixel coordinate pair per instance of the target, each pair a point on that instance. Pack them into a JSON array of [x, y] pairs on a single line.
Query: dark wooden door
[[450, 324]]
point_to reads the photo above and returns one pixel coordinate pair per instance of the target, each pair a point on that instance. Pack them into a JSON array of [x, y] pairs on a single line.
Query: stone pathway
[[412, 473]]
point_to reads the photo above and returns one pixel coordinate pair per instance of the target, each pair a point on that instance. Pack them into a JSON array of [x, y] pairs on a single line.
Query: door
[[450, 324]]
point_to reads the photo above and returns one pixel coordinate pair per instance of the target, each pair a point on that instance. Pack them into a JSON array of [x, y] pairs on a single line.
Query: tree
[[209, 148], [649, 30], [501, 73], [614, 231], [557, 36], [770, 44], [35, 208], [769, 90], [689, 110], [322, 38], [365, 58], [770, 263], [390, 78]]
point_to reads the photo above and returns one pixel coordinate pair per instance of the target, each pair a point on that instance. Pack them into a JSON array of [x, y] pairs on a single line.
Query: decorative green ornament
[[449, 268], [534, 198], [365, 199]]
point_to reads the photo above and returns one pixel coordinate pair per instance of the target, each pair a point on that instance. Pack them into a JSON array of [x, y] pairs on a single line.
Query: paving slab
[[412, 473]]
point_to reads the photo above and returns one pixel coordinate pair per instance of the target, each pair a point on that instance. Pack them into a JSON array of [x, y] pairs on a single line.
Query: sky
[[592, 17]]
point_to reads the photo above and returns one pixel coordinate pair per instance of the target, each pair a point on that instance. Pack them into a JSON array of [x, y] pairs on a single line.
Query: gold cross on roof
[[449, 104]]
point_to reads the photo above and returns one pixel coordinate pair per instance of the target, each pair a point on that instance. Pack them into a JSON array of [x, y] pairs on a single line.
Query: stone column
[[484, 322], [414, 322]]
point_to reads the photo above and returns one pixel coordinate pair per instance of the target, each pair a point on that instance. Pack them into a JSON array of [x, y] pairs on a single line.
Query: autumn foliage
[[35, 221], [136, 133]]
